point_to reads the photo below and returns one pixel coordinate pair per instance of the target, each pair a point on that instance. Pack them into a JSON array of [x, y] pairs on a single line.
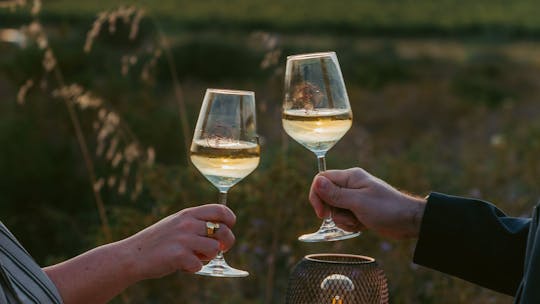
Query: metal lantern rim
[[360, 259]]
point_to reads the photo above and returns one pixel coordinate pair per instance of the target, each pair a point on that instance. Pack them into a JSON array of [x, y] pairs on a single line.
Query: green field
[[444, 94], [389, 17]]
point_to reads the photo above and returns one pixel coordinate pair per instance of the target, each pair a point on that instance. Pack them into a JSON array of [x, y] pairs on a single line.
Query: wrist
[[418, 215], [416, 207], [126, 260]]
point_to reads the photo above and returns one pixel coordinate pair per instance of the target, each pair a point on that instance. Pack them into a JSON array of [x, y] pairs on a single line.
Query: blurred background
[[98, 100]]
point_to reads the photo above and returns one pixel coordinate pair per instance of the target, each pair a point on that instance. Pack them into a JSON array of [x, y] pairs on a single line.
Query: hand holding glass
[[316, 113], [225, 149]]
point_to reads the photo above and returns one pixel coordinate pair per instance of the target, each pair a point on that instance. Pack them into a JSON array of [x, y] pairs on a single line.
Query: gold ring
[[211, 228]]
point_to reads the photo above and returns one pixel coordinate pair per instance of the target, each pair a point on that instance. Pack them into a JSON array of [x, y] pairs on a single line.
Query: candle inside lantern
[[337, 285], [337, 300]]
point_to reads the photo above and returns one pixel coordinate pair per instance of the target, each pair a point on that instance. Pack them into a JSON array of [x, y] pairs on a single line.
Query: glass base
[[327, 233], [218, 267]]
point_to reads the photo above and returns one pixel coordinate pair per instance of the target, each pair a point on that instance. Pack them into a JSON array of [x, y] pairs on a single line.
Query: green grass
[[389, 17]]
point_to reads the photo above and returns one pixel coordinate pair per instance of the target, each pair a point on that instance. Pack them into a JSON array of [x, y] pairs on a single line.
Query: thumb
[[332, 194]]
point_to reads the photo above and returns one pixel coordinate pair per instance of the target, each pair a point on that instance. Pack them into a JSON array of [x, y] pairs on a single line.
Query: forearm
[[95, 276]]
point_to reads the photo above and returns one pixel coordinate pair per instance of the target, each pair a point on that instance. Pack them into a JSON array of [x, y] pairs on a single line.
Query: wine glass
[[316, 113], [225, 149]]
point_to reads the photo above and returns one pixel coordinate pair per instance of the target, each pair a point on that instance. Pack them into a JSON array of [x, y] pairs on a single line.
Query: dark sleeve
[[472, 240]]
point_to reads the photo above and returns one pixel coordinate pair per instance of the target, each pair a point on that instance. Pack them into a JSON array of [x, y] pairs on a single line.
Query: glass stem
[[222, 199], [321, 161], [219, 258]]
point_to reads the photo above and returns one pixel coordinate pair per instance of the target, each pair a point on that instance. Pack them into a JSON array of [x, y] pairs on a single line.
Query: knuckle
[[358, 172], [222, 211], [354, 170], [225, 214], [187, 225], [185, 214]]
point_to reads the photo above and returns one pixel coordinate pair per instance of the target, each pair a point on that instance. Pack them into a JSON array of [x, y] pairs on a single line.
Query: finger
[[225, 237], [349, 178], [189, 263], [214, 213], [224, 234], [205, 248], [354, 228], [344, 217], [332, 194], [321, 209], [346, 220], [202, 230]]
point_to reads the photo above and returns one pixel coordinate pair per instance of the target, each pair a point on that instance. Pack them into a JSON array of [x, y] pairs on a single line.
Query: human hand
[[179, 241], [362, 201]]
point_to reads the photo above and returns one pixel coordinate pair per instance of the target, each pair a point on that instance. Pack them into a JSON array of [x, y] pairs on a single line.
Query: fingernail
[[323, 183]]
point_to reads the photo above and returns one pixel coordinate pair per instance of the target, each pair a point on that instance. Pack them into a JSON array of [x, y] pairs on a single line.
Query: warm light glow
[[337, 300]]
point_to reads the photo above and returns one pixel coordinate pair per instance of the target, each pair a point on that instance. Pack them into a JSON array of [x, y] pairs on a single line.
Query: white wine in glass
[[316, 113], [225, 163], [225, 149]]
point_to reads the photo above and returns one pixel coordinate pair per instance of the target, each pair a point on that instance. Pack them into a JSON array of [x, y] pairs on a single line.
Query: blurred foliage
[[389, 17], [455, 115]]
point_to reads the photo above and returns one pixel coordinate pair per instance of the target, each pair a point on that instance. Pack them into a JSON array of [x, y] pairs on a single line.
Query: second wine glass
[[225, 149], [316, 113]]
